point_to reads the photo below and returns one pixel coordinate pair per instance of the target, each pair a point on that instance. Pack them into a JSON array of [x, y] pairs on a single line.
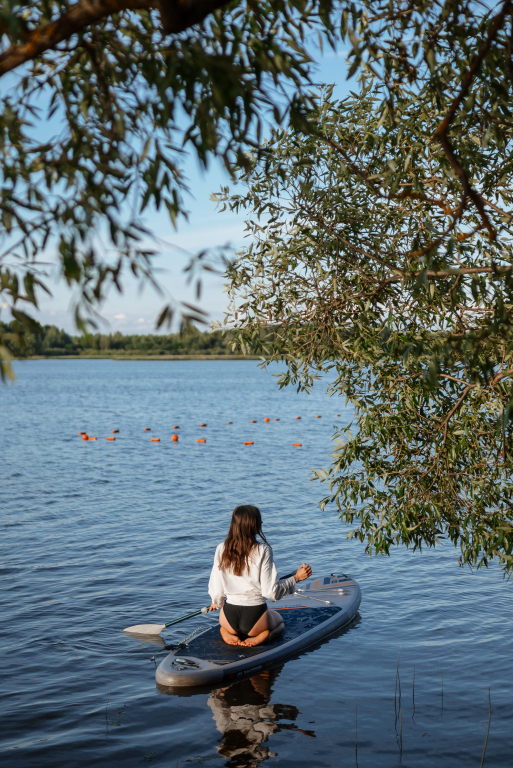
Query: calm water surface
[[96, 536]]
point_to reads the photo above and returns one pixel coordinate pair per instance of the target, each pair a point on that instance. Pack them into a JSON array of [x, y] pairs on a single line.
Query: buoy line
[[174, 436]]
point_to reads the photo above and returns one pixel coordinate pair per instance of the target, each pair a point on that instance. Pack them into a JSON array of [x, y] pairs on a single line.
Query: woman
[[243, 576]]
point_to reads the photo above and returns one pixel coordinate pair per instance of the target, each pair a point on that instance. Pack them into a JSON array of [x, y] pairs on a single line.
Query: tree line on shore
[[51, 341]]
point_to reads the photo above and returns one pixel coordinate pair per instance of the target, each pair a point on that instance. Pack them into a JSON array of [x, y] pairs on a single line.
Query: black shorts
[[242, 618]]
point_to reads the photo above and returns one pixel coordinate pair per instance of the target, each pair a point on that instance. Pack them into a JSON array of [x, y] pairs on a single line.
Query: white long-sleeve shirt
[[261, 582]]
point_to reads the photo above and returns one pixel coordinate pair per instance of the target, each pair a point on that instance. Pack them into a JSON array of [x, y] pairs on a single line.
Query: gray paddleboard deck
[[320, 607]]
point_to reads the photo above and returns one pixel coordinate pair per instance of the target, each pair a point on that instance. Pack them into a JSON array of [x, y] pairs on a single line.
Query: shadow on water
[[246, 716]]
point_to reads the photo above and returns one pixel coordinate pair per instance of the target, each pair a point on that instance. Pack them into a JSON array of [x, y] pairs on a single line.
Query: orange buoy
[[229, 422], [111, 438], [147, 429], [84, 435], [337, 414], [92, 438], [155, 440], [114, 431], [176, 427], [267, 418], [203, 425], [276, 419], [318, 417], [249, 442], [201, 440], [253, 421], [175, 438], [298, 417], [298, 444]]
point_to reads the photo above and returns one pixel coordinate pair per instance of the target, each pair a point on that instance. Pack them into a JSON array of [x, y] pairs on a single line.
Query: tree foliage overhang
[[100, 100], [381, 252]]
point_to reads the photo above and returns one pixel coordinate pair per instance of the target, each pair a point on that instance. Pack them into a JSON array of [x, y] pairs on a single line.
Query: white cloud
[[120, 317], [141, 320]]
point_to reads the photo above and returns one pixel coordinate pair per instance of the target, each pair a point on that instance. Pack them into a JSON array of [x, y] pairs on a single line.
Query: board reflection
[[246, 717]]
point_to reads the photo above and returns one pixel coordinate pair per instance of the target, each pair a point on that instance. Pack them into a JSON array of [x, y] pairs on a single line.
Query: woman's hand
[[213, 607], [303, 572]]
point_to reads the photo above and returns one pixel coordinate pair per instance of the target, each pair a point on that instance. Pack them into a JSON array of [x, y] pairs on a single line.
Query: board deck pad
[[210, 646]]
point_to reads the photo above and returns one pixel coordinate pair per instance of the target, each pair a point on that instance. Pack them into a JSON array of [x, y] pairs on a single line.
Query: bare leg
[[268, 626], [227, 633]]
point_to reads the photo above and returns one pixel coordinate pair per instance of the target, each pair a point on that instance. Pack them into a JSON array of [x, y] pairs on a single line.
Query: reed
[[356, 731], [488, 729], [413, 713]]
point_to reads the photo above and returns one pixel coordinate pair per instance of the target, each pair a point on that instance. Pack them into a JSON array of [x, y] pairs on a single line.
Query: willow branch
[[454, 409], [493, 31], [441, 131], [176, 15], [402, 272]]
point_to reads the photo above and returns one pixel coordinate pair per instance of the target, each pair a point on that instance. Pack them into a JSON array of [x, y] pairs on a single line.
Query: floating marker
[[114, 431], [229, 422], [92, 438], [267, 418], [155, 440], [176, 427], [337, 414], [276, 419], [147, 429], [318, 417], [84, 435], [253, 421], [298, 445], [249, 442], [203, 425], [111, 438], [298, 417], [175, 438], [201, 440]]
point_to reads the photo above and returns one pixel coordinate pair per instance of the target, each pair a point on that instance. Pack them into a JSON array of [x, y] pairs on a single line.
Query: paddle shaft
[[189, 616]]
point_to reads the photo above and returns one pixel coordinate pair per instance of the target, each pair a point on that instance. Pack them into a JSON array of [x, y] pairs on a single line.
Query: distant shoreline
[[141, 357]]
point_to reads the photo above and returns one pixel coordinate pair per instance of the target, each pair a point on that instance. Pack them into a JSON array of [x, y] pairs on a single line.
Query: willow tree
[[381, 254]]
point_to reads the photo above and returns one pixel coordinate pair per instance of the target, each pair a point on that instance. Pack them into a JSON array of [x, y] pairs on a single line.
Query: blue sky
[[135, 311]]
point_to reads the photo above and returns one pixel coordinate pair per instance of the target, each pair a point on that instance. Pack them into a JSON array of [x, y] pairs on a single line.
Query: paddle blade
[[145, 629]]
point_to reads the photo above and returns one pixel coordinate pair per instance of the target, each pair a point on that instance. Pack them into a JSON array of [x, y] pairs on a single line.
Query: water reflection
[[246, 718], [245, 714], [149, 640]]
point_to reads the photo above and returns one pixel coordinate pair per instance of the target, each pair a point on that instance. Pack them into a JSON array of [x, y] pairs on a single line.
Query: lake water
[[96, 536]]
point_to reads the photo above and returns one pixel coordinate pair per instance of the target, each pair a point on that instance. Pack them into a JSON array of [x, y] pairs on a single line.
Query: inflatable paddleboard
[[319, 607]]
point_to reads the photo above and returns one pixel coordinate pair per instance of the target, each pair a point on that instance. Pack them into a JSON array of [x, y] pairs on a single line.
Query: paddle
[[156, 629]]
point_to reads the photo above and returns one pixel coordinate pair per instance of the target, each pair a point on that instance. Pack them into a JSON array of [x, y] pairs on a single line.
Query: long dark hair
[[245, 526]]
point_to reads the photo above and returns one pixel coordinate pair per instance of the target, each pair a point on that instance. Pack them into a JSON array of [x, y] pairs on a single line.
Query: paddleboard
[[319, 607]]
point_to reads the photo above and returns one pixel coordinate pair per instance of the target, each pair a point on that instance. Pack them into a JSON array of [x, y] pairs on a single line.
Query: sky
[[135, 311]]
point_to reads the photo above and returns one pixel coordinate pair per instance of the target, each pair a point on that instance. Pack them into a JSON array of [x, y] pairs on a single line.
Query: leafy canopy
[[381, 252], [101, 98]]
